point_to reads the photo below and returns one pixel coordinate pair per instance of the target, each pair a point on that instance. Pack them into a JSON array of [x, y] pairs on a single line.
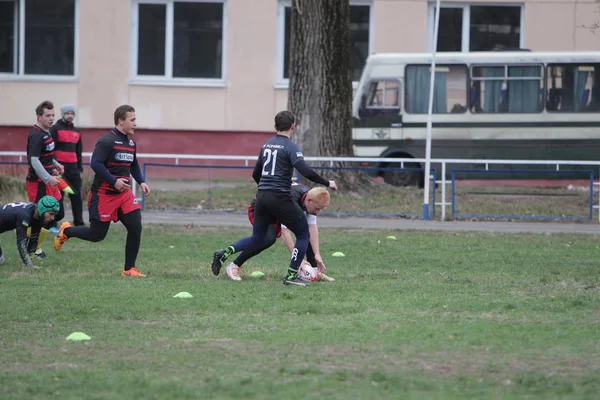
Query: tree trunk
[[320, 94]]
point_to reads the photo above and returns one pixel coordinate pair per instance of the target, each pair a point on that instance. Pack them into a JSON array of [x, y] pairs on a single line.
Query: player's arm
[[136, 172], [79, 151], [286, 237], [99, 157], [40, 170], [22, 241], [313, 229], [310, 173], [257, 172]]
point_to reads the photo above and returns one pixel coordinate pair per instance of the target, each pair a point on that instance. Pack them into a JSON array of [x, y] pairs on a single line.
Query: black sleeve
[[22, 240], [257, 170], [309, 173], [35, 145], [79, 150], [136, 172]]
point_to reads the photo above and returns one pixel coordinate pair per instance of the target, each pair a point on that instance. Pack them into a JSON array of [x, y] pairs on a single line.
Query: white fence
[[444, 203]]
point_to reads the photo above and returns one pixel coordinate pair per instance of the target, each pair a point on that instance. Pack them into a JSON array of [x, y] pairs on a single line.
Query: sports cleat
[[233, 272], [218, 260], [37, 257], [40, 254], [294, 280], [60, 238], [134, 273], [322, 277]]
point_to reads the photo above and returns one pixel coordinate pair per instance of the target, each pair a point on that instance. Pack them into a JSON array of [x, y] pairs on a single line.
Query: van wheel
[[402, 178]]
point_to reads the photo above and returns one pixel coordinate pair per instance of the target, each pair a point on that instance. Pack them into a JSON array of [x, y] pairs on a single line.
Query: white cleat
[[233, 272]]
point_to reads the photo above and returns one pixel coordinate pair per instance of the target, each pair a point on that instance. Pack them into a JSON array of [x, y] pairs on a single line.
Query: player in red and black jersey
[[43, 166], [68, 149], [111, 199]]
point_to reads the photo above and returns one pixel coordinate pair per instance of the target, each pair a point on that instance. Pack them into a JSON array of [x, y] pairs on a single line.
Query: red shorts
[[105, 207], [37, 190], [251, 218]]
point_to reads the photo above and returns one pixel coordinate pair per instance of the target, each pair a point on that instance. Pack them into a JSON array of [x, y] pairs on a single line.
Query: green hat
[[48, 204]]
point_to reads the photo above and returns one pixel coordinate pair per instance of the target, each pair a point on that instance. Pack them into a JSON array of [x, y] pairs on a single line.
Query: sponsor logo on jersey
[[118, 142], [127, 157], [131, 143], [50, 146]]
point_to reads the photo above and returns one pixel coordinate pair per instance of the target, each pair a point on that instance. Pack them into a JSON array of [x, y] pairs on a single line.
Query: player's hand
[[145, 189], [53, 181], [60, 168], [121, 185], [320, 264], [332, 185]]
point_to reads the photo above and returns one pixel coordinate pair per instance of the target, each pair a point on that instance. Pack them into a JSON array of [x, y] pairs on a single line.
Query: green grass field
[[426, 316]]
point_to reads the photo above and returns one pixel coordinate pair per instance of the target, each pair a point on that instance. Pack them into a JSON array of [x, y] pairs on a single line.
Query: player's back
[[11, 213], [278, 156]]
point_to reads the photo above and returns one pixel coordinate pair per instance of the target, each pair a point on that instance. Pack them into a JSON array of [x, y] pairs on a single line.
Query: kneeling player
[[25, 216]]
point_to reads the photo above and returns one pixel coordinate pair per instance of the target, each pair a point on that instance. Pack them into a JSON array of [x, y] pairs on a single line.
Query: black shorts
[[272, 207]]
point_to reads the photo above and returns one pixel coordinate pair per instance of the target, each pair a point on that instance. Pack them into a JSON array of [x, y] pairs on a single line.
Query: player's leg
[[38, 190], [133, 223], [292, 216], [74, 179], [98, 228], [233, 269], [259, 229]]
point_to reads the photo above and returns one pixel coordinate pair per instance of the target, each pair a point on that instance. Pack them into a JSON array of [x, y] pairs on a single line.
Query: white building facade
[[222, 65]]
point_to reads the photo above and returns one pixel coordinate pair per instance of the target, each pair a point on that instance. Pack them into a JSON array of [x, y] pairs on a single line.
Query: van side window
[[382, 97], [507, 89], [573, 88], [449, 90]]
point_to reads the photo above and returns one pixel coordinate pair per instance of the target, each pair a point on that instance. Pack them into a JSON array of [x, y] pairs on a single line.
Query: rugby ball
[[307, 272]]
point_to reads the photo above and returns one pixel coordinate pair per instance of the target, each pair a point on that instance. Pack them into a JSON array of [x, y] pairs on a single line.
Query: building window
[[360, 35], [179, 39], [477, 28], [37, 37]]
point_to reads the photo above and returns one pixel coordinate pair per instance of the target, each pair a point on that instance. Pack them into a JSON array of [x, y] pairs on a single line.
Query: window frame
[[397, 108], [168, 79], [284, 83], [547, 67], [19, 51], [466, 28]]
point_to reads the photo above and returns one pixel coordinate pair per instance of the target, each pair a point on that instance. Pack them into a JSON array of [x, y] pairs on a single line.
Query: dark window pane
[[8, 41], [495, 28], [359, 39], [198, 40], [151, 39], [573, 88], [450, 29], [49, 37]]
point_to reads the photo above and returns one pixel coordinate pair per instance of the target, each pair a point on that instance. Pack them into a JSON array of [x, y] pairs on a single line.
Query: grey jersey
[[276, 161]]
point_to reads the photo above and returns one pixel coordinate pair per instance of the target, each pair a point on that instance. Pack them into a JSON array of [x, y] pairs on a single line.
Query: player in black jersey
[[273, 172], [24, 216]]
